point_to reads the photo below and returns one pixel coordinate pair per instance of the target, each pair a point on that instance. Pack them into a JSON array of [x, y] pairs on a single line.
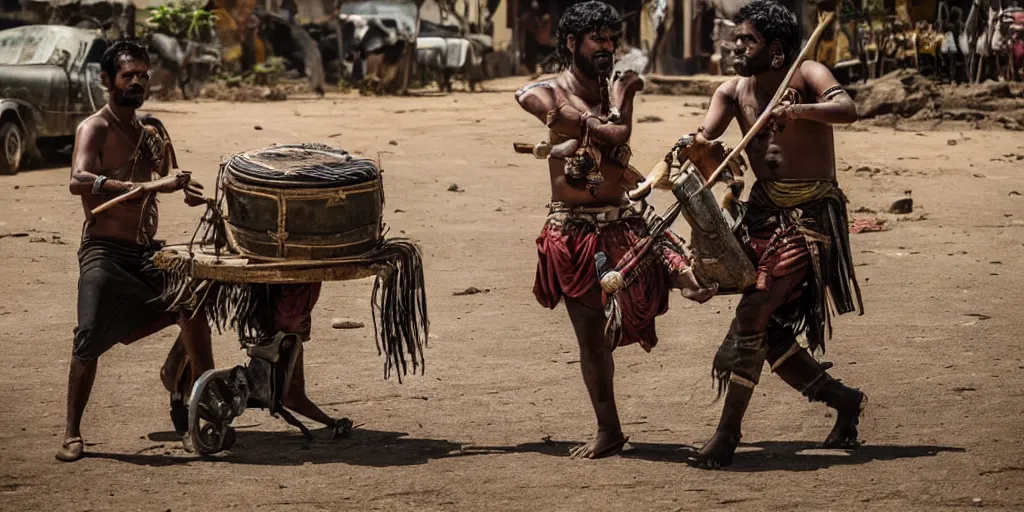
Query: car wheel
[[12, 147]]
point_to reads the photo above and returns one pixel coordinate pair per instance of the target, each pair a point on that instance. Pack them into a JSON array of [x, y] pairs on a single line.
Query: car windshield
[[385, 9], [36, 45]]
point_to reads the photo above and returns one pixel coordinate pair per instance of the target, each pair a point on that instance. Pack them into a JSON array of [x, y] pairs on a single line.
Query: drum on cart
[[302, 202]]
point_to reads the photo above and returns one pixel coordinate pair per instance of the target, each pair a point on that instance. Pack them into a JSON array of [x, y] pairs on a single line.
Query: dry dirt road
[[489, 424]]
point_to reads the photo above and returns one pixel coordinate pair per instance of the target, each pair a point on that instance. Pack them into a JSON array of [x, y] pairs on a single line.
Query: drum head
[[301, 166]]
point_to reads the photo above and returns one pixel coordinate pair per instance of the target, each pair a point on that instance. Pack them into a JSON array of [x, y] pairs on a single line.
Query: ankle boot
[[809, 377]]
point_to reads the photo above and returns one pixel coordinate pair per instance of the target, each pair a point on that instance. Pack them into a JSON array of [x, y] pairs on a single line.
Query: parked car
[[50, 83]]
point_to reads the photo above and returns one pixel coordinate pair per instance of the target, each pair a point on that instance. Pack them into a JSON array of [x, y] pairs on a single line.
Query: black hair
[[580, 19], [775, 22], [124, 47]]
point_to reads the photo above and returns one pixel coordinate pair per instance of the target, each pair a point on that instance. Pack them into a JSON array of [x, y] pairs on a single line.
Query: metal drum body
[[718, 256], [303, 208]]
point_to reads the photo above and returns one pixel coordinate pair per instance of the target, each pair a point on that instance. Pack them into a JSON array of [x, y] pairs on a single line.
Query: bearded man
[[589, 115], [796, 219], [118, 286]]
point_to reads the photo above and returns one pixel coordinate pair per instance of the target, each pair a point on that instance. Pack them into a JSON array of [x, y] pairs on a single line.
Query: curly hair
[[773, 21], [580, 19], [124, 47]]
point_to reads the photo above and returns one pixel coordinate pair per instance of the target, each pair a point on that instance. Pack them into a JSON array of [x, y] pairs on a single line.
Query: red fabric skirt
[[566, 267], [779, 253], [293, 307]]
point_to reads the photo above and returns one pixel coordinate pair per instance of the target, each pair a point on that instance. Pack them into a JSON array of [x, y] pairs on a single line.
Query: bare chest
[[124, 159]]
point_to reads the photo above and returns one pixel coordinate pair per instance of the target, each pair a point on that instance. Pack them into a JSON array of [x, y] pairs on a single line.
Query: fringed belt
[[560, 212]]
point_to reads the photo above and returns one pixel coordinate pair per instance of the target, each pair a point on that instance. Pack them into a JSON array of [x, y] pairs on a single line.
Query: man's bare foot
[[844, 433], [71, 450], [603, 445], [692, 290], [700, 295], [717, 453]]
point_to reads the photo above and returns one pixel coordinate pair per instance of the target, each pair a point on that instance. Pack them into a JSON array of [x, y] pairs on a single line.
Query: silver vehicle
[[49, 83]]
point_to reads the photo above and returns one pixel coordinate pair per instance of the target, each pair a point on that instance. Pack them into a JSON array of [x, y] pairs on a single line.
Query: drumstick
[[131, 194], [539, 150], [823, 22]]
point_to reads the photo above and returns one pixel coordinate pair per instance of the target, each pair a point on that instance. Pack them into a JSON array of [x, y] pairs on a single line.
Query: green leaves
[[182, 20]]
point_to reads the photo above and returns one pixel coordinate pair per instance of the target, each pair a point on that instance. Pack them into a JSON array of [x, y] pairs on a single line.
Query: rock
[[951, 142], [393, 142], [900, 92], [650, 119], [977, 502], [455, 188], [341, 323], [472, 290], [1013, 193], [257, 127], [902, 206]]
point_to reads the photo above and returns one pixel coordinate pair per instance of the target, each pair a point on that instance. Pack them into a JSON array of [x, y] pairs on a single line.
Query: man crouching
[[118, 286]]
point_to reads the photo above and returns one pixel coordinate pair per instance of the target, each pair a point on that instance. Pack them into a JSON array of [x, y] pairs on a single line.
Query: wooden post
[[515, 36], [687, 32]]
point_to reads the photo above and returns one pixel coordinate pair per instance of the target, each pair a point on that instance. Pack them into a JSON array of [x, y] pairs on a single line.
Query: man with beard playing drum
[[117, 155], [797, 223], [590, 122]]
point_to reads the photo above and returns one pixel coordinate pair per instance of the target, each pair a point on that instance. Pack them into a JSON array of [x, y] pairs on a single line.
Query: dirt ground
[[489, 425]]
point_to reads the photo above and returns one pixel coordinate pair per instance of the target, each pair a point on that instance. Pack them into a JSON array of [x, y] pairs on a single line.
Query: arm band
[[97, 185]]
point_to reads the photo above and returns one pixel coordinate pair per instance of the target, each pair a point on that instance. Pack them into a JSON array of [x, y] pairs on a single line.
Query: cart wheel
[[210, 411], [12, 147]]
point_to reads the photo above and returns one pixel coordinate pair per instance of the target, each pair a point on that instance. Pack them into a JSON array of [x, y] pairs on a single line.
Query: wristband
[[97, 185]]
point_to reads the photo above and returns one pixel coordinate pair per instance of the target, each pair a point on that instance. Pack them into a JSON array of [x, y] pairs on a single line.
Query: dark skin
[[100, 147], [804, 148], [578, 91], [797, 144]]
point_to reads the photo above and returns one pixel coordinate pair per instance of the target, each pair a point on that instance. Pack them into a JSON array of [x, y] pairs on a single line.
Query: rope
[[303, 164]]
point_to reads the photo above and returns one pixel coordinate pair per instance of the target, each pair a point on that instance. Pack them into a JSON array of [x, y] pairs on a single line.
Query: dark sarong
[[565, 266], [118, 288], [796, 225]]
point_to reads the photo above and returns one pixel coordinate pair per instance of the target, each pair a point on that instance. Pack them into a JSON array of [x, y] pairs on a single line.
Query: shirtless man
[[115, 154], [589, 126], [797, 222]]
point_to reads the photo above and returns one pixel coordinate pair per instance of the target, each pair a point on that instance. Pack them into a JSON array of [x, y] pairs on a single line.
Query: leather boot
[[808, 376]]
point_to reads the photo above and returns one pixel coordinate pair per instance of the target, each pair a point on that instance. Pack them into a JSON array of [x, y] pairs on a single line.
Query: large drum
[[302, 202], [718, 254]]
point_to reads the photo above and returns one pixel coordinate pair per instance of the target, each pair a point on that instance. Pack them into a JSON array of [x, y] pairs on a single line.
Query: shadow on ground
[[362, 447], [754, 457]]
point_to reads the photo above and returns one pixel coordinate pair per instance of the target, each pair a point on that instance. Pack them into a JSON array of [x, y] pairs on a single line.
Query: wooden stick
[[135, 192], [823, 23]]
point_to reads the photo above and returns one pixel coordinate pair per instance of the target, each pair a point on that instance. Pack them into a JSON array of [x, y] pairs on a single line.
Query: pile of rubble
[[906, 99]]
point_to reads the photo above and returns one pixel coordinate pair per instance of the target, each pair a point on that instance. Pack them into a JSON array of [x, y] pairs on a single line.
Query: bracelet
[[97, 185], [830, 92]]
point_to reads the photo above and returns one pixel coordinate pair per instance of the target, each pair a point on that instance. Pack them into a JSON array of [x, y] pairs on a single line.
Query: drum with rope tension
[[302, 202]]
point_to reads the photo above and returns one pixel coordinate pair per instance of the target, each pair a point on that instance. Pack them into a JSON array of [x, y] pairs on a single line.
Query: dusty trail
[[489, 425]]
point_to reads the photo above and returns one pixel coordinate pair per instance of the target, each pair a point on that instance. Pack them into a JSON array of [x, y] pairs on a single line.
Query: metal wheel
[[218, 397], [12, 147]]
